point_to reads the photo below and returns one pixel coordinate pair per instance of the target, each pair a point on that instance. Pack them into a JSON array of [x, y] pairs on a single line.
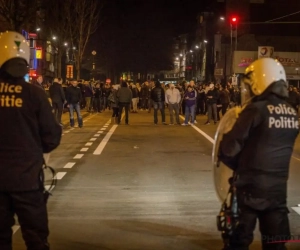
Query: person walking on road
[[58, 98], [74, 96], [259, 148], [173, 98], [28, 130], [124, 97], [158, 99]]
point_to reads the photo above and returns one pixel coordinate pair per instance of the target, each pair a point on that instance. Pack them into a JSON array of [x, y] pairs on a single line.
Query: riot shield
[[221, 173]]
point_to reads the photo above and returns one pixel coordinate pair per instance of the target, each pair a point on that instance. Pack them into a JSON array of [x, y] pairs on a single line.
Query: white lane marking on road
[[298, 159], [100, 132], [105, 126], [60, 175], [49, 187], [78, 156], [67, 131], [72, 128], [201, 132], [103, 129], [105, 140], [296, 209], [84, 149], [15, 228], [96, 135], [89, 144], [69, 164], [93, 139]]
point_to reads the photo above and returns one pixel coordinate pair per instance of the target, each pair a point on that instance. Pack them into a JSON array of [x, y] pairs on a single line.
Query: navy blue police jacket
[[27, 130], [260, 146]]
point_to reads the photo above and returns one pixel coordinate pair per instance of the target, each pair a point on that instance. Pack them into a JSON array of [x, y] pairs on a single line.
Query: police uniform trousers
[[30, 207], [273, 223]]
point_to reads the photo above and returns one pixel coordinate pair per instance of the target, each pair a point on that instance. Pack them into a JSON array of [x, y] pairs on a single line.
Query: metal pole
[[236, 35]]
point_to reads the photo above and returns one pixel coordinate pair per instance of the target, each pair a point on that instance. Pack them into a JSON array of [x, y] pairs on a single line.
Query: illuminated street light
[[74, 48], [177, 58], [205, 41], [180, 54], [66, 44], [197, 47], [38, 29], [222, 18], [54, 38], [191, 51]]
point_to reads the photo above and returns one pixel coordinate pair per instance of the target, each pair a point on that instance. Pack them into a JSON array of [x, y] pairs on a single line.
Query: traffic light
[[234, 20]]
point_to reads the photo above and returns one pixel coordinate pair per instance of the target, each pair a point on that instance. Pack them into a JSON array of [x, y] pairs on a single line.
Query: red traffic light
[[234, 20]]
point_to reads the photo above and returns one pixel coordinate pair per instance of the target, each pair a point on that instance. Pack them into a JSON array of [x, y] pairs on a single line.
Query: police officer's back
[[28, 129], [259, 149]]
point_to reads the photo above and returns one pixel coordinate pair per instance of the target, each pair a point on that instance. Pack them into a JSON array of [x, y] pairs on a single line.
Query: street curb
[[67, 123]]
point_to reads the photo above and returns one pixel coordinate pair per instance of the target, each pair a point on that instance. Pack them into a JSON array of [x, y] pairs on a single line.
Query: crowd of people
[[186, 98]]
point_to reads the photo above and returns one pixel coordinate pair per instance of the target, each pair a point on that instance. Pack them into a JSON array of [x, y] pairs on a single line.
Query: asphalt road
[[139, 187]]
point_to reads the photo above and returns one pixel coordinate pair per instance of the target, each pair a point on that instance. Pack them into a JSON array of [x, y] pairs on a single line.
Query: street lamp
[[54, 38], [197, 47], [205, 41], [94, 66], [94, 53]]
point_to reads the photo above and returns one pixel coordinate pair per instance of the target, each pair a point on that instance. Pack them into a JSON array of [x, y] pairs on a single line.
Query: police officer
[[28, 129], [259, 149]]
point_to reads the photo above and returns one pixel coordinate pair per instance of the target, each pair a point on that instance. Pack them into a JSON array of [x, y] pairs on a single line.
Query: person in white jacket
[[173, 99]]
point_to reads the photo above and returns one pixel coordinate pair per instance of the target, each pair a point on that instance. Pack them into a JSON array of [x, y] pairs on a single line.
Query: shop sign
[[245, 62], [70, 69], [286, 61], [38, 53]]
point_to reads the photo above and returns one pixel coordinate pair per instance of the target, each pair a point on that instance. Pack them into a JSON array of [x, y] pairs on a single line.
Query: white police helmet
[[13, 45], [262, 73]]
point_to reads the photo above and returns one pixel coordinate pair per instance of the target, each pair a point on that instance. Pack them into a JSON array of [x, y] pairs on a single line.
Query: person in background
[[97, 98], [88, 95], [158, 98], [135, 98], [39, 82], [173, 98], [190, 105], [212, 97], [124, 97], [74, 96], [58, 98], [114, 105]]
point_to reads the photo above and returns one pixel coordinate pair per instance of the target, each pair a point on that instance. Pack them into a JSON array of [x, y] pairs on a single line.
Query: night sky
[[138, 34]]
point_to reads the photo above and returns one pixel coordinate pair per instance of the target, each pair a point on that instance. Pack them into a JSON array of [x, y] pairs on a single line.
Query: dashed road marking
[[89, 144], [96, 135], [69, 164], [100, 132], [93, 139], [72, 128], [78, 156], [103, 129], [60, 175], [67, 131], [296, 209], [84, 149], [15, 228]]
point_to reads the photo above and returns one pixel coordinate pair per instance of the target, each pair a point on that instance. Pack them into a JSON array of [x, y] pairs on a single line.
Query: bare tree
[[18, 14], [55, 24], [82, 21]]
